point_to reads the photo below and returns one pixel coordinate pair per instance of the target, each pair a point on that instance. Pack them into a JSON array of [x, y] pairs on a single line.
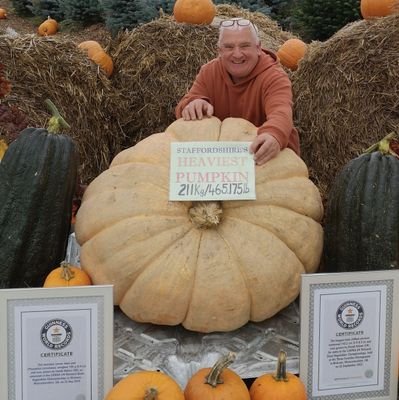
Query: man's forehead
[[237, 33]]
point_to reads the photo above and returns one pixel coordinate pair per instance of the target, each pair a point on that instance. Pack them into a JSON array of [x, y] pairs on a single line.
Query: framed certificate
[[56, 343], [349, 335]]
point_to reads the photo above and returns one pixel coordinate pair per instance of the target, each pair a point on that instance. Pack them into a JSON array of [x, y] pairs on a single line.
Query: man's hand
[[264, 148], [197, 109]]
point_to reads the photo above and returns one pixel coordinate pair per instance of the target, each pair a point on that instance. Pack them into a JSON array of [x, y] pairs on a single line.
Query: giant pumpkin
[[211, 266]]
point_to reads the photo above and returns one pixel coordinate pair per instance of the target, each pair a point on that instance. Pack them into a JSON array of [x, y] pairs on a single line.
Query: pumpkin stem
[[205, 214], [214, 377], [66, 272], [151, 394], [383, 145], [56, 121], [281, 370]]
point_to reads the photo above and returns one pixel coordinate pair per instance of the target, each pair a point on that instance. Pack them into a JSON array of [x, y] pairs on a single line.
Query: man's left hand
[[264, 148]]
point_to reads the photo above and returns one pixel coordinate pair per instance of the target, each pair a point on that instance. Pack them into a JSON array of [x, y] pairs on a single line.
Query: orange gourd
[[217, 383], [194, 11], [281, 386], [97, 54], [67, 275], [146, 385], [291, 53], [3, 13], [376, 8], [48, 27]]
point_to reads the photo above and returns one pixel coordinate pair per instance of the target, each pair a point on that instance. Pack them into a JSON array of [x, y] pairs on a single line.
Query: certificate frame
[[333, 352], [84, 317]]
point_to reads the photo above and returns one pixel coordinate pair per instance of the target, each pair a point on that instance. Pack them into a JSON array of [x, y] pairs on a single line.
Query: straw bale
[[157, 62], [346, 95], [54, 68], [155, 66]]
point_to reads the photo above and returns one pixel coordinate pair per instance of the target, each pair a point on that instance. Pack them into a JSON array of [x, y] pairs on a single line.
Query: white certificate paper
[[211, 171], [58, 343], [348, 335]]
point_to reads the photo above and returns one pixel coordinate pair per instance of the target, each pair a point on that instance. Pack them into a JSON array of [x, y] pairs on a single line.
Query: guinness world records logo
[[350, 314], [56, 334]]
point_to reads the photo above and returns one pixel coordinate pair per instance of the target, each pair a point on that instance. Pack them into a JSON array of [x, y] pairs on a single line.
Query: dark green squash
[[37, 181], [362, 213]]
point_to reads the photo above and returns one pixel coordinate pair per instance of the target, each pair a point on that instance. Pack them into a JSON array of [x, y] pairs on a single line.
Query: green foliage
[[166, 6], [127, 14], [84, 11], [320, 19], [45, 8], [21, 8], [281, 11]]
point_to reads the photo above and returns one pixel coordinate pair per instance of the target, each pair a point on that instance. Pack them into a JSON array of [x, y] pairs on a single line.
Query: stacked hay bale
[[54, 68], [157, 62], [346, 94], [154, 66]]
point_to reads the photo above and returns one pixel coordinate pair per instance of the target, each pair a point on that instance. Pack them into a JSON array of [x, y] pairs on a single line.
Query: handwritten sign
[[211, 171]]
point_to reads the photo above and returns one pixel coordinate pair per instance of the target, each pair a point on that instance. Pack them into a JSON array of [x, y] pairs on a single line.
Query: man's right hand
[[197, 109]]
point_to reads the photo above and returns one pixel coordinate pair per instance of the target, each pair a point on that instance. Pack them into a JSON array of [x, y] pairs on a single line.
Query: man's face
[[239, 51]]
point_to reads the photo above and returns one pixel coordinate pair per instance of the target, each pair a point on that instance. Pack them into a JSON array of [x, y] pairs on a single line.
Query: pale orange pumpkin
[[146, 385], [194, 11], [3, 13], [67, 275], [98, 55], [211, 266], [376, 8], [217, 383], [279, 386], [48, 27], [291, 53]]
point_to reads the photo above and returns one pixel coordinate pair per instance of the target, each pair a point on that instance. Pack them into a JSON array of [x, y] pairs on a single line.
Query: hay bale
[[156, 63], [54, 68], [346, 95]]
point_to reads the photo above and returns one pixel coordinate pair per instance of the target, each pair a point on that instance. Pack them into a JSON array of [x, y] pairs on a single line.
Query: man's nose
[[237, 51]]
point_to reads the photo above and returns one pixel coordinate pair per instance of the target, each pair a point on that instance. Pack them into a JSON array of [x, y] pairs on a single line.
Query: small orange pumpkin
[[48, 27], [67, 275], [291, 53], [146, 385], [3, 148], [97, 54], [376, 8], [3, 13], [194, 11], [217, 383], [281, 386]]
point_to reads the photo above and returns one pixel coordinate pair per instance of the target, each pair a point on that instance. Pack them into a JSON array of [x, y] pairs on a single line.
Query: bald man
[[245, 81]]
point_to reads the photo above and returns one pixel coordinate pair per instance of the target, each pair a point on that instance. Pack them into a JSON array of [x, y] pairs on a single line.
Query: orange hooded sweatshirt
[[263, 98]]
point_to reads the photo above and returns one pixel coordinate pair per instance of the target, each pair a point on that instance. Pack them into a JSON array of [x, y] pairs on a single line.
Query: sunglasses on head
[[240, 22]]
